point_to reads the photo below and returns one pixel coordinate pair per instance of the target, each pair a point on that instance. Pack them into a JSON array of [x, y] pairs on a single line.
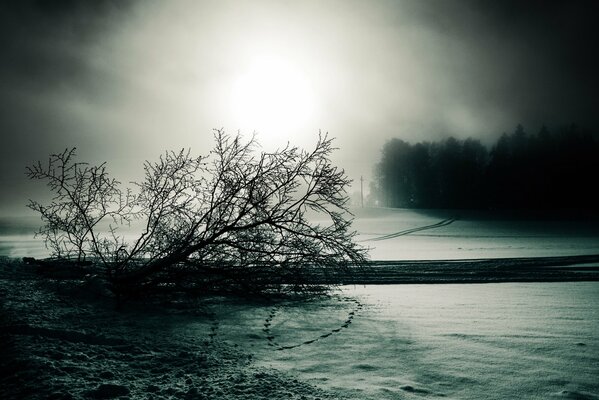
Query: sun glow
[[272, 97]]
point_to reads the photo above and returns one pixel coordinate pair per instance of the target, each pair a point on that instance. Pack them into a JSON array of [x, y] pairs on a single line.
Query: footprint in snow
[[271, 316]]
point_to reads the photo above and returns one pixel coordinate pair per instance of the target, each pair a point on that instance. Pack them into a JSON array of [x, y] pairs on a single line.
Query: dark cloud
[[45, 44], [535, 60], [44, 57]]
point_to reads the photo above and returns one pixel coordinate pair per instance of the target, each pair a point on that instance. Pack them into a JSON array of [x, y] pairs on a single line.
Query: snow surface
[[478, 341], [475, 341], [61, 341], [451, 234], [456, 341]]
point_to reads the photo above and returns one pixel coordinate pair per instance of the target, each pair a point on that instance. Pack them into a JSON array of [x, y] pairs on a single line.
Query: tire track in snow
[[412, 230]]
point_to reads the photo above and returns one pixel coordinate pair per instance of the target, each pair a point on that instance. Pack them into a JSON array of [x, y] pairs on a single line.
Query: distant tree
[[447, 164], [235, 219], [575, 168], [394, 175], [447, 174], [498, 175], [521, 171], [423, 190]]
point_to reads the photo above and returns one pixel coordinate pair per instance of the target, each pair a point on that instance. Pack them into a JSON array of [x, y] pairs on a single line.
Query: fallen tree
[[233, 220]]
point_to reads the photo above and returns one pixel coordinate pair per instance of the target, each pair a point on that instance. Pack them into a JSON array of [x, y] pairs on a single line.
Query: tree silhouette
[[235, 219], [521, 171]]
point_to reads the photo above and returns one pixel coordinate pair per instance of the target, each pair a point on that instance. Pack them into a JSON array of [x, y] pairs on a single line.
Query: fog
[[125, 81]]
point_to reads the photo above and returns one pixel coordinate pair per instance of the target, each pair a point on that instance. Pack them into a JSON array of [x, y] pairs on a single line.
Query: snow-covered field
[[457, 341], [401, 234], [493, 341]]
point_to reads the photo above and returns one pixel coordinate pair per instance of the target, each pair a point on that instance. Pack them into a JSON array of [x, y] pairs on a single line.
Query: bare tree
[[236, 219], [85, 198]]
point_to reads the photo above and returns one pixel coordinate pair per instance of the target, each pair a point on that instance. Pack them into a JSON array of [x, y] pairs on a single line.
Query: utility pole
[[362, 190]]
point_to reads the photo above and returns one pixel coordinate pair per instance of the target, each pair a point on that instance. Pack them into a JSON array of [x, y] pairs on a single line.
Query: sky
[[124, 81]]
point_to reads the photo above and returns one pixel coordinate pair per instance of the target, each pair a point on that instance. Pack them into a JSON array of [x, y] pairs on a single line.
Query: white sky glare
[[125, 81]]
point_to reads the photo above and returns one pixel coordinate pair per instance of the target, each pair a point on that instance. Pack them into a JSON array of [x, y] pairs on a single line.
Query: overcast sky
[[124, 81]]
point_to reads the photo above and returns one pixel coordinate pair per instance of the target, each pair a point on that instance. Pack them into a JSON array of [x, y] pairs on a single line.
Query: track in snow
[[412, 230]]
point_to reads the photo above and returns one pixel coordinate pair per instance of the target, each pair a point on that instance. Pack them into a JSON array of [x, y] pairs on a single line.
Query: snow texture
[[478, 341], [456, 341]]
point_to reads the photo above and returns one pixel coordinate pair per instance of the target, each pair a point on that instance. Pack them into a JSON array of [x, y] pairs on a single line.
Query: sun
[[271, 97]]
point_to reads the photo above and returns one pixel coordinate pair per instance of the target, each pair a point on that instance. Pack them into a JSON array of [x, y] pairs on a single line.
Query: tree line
[[547, 170]]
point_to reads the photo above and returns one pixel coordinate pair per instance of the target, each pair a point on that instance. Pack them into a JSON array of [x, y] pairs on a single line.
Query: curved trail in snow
[[412, 230], [272, 341]]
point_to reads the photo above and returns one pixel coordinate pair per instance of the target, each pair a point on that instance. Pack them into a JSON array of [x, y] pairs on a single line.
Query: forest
[[549, 170]]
